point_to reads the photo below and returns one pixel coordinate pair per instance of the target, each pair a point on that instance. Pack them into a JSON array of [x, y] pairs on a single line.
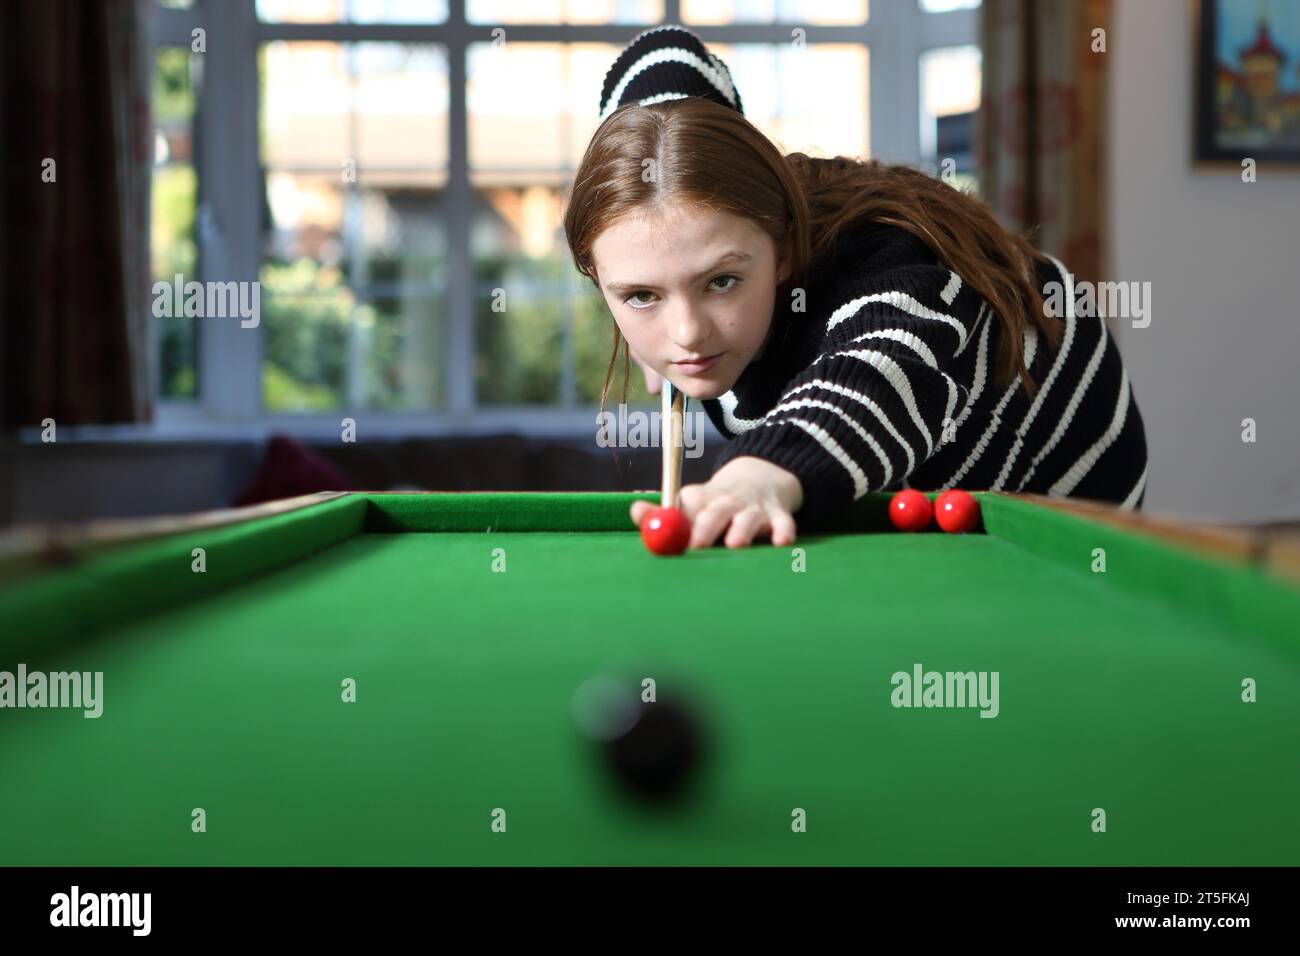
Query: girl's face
[[688, 286]]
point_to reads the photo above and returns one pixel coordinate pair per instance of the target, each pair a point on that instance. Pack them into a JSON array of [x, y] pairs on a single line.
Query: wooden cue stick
[[673, 405]]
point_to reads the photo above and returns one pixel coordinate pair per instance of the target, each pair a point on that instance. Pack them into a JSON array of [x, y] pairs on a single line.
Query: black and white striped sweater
[[852, 394]]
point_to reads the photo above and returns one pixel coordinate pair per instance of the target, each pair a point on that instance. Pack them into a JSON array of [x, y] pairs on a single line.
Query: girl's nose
[[689, 330]]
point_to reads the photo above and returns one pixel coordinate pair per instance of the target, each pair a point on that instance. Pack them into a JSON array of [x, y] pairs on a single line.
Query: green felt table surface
[[222, 691]]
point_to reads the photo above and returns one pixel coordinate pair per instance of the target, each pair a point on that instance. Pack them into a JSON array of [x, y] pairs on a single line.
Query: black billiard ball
[[651, 749], [655, 758]]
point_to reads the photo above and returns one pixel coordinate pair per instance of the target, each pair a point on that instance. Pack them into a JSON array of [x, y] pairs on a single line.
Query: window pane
[[543, 123], [398, 333], [173, 250], [525, 139], [943, 6], [564, 11], [533, 313], [814, 12], [546, 315], [519, 314], [950, 100], [351, 11], [783, 89], [304, 338], [383, 105], [354, 262]]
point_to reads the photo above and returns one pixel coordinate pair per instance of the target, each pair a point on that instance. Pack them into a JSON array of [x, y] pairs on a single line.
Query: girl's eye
[[645, 299]]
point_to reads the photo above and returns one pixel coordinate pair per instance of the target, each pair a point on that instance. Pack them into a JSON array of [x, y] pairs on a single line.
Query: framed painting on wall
[[1247, 81]]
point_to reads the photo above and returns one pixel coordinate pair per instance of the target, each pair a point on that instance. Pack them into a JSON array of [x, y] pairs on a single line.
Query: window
[[950, 98], [812, 12], [550, 344], [173, 203], [638, 12], [354, 158], [394, 176], [350, 11], [946, 6]]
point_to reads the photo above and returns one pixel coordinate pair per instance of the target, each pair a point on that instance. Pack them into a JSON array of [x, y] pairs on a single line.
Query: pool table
[[381, 678]]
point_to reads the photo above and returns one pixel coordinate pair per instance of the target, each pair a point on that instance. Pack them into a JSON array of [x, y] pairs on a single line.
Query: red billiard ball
[[665, 531], [956, 511], [910, 510]]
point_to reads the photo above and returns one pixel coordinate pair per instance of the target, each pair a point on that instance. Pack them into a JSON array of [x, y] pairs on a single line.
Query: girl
[[848, 326]]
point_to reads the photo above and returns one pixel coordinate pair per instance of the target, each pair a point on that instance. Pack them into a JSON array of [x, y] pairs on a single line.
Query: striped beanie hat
[[666, 63]]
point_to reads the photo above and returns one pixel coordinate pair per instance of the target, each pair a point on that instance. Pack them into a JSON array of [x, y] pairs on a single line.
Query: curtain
[[1042, 130], [74, 303]]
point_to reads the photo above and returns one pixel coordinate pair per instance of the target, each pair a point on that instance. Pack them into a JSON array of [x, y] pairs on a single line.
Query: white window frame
[[230, 357]]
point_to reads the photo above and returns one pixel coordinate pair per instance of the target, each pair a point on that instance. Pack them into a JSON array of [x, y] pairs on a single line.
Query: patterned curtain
[[1043, 125], [74, 305]]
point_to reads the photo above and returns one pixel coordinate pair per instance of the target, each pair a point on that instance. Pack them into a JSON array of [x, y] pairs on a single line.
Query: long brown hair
[[708, 156]]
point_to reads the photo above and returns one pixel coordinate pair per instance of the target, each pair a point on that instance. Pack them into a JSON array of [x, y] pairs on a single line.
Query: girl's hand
[[747, 498]]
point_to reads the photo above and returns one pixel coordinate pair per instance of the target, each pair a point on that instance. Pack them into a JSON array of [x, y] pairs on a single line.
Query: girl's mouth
[[696, 368]]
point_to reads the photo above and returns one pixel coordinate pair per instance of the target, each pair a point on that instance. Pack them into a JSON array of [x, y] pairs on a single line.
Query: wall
[[1223, 258]]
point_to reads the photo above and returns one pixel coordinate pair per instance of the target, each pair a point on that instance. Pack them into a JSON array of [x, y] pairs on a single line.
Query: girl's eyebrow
[[734, 256]]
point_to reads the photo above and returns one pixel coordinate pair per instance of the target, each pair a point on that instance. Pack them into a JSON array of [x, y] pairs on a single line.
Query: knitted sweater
[[852, 394]]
